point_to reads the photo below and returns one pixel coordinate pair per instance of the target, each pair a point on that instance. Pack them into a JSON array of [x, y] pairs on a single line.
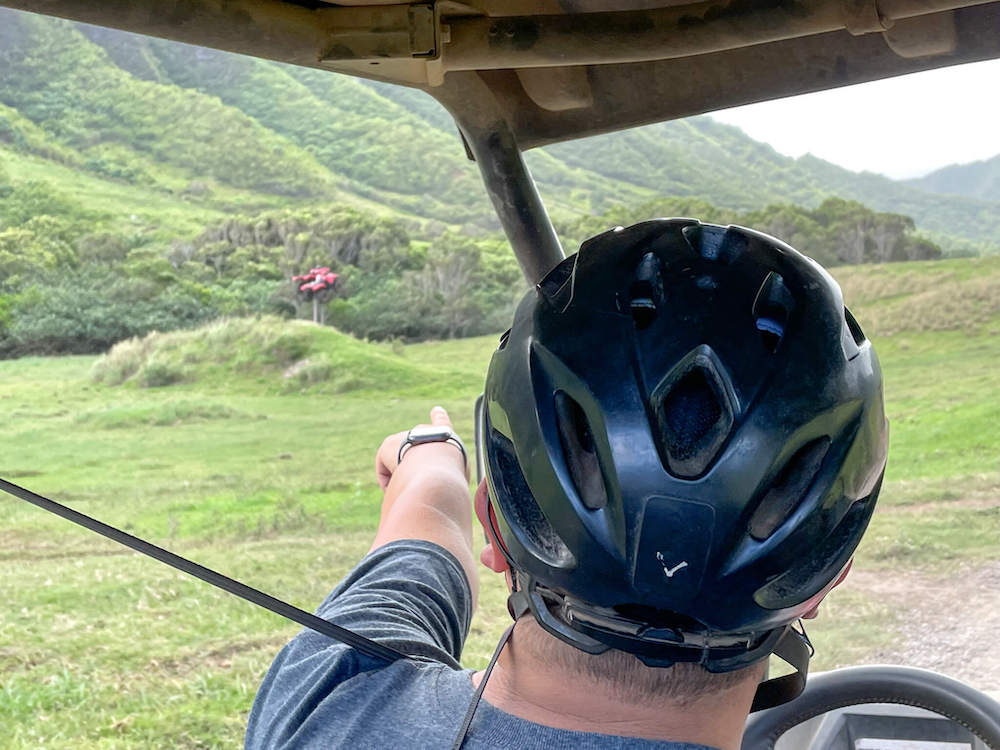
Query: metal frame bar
[[492, 143], [664, 33], [515, 197]]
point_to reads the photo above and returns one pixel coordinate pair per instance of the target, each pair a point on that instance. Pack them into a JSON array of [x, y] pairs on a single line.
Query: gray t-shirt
[[414, 596]]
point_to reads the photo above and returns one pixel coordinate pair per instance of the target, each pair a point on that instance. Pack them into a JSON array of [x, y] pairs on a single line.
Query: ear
[[491, 556], [814, 609]]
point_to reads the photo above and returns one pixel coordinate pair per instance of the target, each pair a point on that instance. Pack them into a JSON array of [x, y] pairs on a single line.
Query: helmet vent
[[822, 563], [557, 286], [772, 308], [504, 338], [580, 452], [646, 292], [789, 488], [694, 421], [852, 325], [521, 509], [642, 304], [715, 243]]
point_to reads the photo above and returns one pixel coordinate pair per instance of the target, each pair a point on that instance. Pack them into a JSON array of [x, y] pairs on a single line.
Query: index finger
[[439, 417]]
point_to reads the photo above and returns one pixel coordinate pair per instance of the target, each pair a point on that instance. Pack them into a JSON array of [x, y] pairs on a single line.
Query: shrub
[[159, 372], [123, 361], [89, 312], [309, 372], [5, 313]]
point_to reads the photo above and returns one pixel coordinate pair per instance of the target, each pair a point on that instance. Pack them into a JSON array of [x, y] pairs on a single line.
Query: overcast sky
[[902, 127]]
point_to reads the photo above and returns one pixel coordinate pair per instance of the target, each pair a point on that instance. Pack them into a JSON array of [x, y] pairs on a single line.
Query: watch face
[[429, 434]]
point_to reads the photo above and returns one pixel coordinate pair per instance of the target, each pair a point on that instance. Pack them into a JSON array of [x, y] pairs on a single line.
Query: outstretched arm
[[427, 496]]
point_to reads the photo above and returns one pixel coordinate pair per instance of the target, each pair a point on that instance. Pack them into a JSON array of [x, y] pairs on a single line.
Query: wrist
[[423, 436], [433, 456]]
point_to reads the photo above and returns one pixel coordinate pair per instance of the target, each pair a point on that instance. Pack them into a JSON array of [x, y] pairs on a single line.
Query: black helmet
[[685, 439]]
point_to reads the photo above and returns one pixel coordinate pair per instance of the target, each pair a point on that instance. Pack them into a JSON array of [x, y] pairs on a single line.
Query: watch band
[[424, 435]]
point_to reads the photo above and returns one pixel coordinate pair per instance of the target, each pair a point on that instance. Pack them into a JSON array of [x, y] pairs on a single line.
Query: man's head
[[685, 439]]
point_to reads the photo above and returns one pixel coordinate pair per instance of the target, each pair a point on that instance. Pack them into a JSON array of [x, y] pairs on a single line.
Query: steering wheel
[[853, 686]]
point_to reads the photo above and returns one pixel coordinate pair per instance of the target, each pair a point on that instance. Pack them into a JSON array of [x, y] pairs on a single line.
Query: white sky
[[902, 127]]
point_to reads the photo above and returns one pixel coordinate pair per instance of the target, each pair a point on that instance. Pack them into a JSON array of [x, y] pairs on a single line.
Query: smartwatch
[[430, 434]]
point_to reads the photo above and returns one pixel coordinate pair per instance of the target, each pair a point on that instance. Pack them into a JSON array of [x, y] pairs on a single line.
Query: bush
[[464, 287], [310, 371], [123, 361], [159, 372], [30, 199], [83, 314], [5, 313]]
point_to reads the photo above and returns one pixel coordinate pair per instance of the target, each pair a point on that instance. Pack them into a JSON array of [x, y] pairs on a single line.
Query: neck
[[541, 679]]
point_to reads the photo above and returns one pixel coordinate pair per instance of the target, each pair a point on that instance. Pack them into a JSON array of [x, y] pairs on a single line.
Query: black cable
[[460, 739], [364, 645]]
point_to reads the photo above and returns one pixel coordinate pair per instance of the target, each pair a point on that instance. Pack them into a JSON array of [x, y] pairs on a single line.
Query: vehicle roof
[[562, 69]]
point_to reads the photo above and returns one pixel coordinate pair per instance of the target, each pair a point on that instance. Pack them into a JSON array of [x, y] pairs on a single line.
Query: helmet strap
[[460, 739], [793, 646], [796, 649], [518, 603]]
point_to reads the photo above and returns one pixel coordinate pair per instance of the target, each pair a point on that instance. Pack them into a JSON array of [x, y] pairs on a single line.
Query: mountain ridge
[[976, 179]]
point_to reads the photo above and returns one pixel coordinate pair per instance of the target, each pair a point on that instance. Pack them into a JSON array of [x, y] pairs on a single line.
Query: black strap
[[460, 739], [795, 648], [366, 646]]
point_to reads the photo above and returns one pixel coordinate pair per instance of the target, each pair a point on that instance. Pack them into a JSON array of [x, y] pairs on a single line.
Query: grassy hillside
[[936, 327], [70, 87], [153, 214], [394, 144], [272, 484], [264, 355], [904, 298]]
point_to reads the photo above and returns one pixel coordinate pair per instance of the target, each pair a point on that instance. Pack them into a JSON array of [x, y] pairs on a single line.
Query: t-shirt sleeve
[[411, 595]]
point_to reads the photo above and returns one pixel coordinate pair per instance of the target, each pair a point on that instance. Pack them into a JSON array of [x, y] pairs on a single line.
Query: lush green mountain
[[396, 145], [377, 145], [222, 131], [719, 163], [146, 185], [128, 129], [978, 179]]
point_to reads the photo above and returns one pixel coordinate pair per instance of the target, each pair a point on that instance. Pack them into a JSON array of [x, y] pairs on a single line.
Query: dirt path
[[948, 623]]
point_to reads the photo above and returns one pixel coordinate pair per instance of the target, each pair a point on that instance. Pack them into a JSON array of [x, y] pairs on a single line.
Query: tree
[[318, 286], [30, 249], [446, 286]]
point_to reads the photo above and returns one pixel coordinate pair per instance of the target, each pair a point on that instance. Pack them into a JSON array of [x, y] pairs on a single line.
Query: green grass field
[[269, 478]]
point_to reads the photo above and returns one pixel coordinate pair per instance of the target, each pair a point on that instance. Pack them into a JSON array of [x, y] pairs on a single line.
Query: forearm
[[428, 498]]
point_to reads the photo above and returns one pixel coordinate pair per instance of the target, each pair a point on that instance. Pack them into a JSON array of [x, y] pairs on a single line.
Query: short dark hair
[[682, 684]]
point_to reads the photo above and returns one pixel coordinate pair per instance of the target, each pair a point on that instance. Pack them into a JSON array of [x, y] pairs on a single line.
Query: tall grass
[[943, 296]]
